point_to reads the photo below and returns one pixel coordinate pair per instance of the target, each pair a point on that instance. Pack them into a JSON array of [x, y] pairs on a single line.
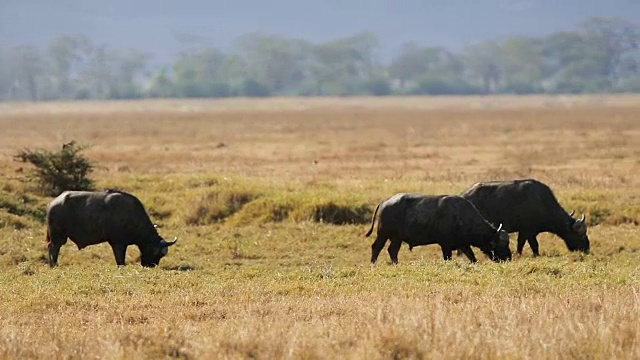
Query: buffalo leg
[[54, 242], [488, 252], [393, 249], [533, 243], [469, 253], [446, 252], [522, 239], [54, 251], [119, 251], [376, 247]]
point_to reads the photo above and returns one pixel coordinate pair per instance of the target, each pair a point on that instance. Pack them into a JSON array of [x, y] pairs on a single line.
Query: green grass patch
[[264, 260]]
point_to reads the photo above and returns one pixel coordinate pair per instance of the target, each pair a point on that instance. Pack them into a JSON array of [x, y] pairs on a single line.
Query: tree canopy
[[601, 55]]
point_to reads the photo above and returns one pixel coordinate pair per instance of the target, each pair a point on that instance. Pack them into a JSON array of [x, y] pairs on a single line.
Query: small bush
[[598, 215], [520, 88], [22, 205], [438, 84], [252, 88], [216, 206], [158, 209], [263, 210], [56, 172], [331, 213], [377, 87], [9, 220]]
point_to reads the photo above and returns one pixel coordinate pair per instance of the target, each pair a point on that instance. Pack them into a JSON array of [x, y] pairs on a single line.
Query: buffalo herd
[[481, 217]]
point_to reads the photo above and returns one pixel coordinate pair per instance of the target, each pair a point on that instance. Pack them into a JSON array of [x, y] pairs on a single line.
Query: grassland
[[271, 198]]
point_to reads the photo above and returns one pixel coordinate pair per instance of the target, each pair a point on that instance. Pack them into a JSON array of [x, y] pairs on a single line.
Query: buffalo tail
[[373, 220]]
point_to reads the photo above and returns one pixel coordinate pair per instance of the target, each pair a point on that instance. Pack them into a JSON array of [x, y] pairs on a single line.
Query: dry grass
[[252, 189]]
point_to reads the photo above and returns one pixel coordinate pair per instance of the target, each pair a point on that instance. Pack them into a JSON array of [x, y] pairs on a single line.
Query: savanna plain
[[270, 200]]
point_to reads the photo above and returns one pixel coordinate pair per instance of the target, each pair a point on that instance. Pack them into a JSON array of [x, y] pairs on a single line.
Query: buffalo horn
[[168, 243], [571, 214], [582, 218], [499, 228]]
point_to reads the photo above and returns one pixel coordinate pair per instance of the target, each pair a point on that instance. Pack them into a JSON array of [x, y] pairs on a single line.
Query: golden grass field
[[258, 191]]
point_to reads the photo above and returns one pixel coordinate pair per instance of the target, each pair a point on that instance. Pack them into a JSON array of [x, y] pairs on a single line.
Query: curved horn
[[582, 218], [571, 214], [499, 227], [165, 243]]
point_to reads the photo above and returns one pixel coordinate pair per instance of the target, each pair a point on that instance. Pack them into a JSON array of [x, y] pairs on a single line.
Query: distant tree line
[[601, 55]]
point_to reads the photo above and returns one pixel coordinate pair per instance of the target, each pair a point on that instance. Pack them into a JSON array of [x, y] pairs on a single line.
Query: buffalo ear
[[580, 225], [503, 238]]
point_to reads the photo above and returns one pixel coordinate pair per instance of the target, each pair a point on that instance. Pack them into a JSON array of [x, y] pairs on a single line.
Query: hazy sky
[[152, 25]]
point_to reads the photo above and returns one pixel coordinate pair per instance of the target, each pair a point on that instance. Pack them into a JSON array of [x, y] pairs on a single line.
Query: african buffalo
[[528, 207], [112, 216], [450, 221]]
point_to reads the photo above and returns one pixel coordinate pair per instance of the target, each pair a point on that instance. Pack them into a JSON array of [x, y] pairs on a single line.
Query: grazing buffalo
[[529, 208], [112, 216], [450, 221]]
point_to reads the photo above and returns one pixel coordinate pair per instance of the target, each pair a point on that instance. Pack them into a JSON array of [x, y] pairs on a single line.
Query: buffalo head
[[576, 235], [500, 245], [151, 255]]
